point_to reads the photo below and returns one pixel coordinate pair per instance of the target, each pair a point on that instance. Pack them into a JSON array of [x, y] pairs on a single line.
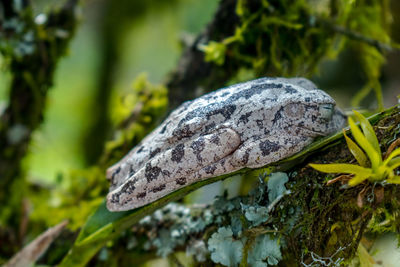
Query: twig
[[193, 73], [382, 47]]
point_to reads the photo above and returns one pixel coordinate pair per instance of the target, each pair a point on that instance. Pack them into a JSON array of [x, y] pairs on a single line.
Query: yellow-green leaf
[[394, 153], [356, 151], [366, 260], [373, 155], [357, 179], [368, 131], [214, 52], [394, 163], [394, 180], [342, 168]]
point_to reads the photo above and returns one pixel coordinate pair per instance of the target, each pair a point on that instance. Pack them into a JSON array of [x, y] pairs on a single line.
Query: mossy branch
[[32, 47], [33, 50], [193, 71], [314, 221], [314, 218], [279, 38]]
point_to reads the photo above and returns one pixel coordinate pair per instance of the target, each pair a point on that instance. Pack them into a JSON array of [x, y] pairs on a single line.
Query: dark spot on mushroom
[[140, 149]]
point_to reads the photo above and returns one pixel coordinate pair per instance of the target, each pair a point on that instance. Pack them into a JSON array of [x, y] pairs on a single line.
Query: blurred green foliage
[[79, 192], [291, 38], [135, 116]]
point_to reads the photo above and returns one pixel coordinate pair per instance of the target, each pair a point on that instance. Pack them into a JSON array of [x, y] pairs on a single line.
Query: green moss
[[134, 116], [285, 38]]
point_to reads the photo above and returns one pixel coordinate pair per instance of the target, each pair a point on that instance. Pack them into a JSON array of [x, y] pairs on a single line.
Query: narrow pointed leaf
[[357, 152], [366, 260], [32, 252], [394, 153], [394, 163], [369, 132], [394, 180], [342, 168], [104, 225], [358, 179], [373, 155]]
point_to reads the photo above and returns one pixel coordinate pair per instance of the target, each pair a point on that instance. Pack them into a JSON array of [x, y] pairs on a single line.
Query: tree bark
[[313, 222], [33, 53]]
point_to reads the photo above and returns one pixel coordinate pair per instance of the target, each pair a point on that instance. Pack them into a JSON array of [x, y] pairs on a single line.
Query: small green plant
[[372, 165]]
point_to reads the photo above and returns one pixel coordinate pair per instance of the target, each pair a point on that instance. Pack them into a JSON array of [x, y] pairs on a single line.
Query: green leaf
[[394, 163], [373, 155], [268, 20], [357, 152], [240, 8], [365, 258], [342, 168], [358, 179], [368, 131], [325, 141], [103, 225], [215, 52], [394, 153], [264, 252], [224, 249], [394, 180]]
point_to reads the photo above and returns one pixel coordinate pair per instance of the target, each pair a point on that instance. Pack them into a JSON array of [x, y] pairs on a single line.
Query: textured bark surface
[[329, 221]]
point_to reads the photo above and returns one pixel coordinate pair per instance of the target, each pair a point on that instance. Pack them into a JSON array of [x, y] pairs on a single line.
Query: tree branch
[[380, 46], [298, 217], [193, 75], [33, 46]]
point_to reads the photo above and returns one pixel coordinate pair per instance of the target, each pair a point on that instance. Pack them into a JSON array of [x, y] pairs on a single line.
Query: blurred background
[[109, 50]]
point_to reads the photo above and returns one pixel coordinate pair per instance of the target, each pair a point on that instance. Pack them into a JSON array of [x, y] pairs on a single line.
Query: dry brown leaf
[[29, 254]]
